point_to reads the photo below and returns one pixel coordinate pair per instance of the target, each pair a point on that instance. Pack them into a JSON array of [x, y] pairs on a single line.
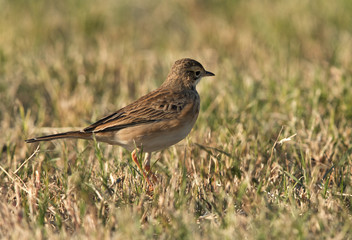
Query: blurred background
[[68, 58], [67, 63]]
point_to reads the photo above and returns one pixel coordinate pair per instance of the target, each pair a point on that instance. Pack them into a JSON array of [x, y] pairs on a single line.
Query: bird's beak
[[208, 74]]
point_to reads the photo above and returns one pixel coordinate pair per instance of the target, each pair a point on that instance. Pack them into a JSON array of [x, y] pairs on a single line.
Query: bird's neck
[[181, 83]]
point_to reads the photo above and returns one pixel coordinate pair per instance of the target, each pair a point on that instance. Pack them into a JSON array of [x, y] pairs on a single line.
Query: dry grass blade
[[29, 158]]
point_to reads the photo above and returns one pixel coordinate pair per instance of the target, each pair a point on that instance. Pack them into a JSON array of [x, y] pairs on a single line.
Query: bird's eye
[[197, 73]]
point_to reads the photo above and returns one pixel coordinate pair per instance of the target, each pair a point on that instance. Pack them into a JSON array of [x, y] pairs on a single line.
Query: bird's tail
[[71, 134]]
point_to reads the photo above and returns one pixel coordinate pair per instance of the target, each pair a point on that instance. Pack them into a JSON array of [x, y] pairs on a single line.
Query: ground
[[269, 157]]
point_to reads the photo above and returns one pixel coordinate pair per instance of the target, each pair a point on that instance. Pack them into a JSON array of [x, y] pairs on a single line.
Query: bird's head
[[186, 73]]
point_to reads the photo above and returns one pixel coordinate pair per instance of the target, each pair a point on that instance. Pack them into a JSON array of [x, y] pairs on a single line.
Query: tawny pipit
[[155, 121]]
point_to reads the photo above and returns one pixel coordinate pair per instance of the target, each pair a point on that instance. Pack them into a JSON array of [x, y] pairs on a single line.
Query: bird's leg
[[147, 162], [147, 167], [135, 160]]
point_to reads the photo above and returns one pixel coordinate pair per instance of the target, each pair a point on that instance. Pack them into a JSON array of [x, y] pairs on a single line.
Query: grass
[[269, 158]]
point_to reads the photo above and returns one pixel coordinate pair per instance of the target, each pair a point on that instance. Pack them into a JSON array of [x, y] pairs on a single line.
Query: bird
[[153, 122]]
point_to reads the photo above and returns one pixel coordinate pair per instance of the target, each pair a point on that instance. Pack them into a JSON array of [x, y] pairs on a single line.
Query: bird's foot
[[145, 175], [150, 174]]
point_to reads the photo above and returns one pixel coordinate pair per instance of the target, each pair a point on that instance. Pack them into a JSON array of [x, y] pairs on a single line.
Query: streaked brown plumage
[[155, 121]]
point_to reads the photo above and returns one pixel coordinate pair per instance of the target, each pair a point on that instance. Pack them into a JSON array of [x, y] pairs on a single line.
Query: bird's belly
[[153, 137], [155, 142]]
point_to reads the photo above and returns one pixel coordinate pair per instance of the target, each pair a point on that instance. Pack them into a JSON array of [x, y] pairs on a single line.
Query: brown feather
[[159, 105], [72, 134]]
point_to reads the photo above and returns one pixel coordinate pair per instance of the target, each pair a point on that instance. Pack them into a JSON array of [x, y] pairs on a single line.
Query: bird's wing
[[159, 105]]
